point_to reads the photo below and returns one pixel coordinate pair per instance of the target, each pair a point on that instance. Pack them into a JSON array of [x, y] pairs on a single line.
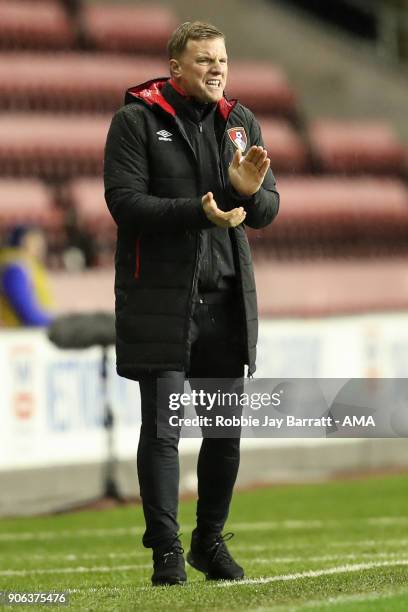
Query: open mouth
[[213, 83]]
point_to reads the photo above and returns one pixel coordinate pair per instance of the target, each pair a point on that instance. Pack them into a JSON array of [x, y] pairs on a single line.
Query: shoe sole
[[190, 561], [169, 582]]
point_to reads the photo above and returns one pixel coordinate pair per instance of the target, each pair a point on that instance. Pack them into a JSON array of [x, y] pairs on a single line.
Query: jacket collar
[[186, 106], [151, 94]]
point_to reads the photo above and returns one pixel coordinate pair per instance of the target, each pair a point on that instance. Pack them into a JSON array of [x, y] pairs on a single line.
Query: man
[[179, 188], [25, 297]]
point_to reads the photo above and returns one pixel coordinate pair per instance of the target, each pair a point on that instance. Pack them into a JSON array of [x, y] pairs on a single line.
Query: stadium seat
[[92, 218], [87, 198], [96, 82], [285, 146], [34, 25], [312, 289], [339, 216], [85, 291], [80, 82], [285, 289], [127, 28], [27, 201], [58, 146], [52, 146], [356, 147], [263, 87]]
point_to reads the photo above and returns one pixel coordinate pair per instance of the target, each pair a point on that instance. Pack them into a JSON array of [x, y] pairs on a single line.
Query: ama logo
[[238, 137]]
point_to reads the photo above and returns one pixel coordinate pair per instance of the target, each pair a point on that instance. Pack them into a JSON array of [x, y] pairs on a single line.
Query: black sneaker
[[213, 558], [168, 565]]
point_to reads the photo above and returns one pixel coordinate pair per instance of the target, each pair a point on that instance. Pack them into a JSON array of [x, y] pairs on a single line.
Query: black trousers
[[217, 352]]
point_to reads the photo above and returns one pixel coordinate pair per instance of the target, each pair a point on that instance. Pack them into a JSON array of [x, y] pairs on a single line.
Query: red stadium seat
[[27, 201], [354, 147], [52, 146], [285, 147], [97, 82], [263, 87], [285, 289], [87, 197], [34, 25], [85, 291], [71, 81], [127, 28], [68, 145], [354, 215], [313, 289], [359, 212]]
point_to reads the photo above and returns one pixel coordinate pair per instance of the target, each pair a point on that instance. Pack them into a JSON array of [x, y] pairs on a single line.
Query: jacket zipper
[[250, 373], [198, 245], [184, 135], [198, 248], [190, 300], [234, 238], [223, 177], [137, 260]]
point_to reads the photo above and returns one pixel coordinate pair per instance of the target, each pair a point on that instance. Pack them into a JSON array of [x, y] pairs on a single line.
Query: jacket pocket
[[136, 273]]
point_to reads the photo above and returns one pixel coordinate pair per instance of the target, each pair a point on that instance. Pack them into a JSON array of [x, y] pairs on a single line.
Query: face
[[201, 70], [34, 244]]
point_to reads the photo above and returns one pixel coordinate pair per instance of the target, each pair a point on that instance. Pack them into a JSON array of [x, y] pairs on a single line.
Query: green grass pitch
[[335, 546]]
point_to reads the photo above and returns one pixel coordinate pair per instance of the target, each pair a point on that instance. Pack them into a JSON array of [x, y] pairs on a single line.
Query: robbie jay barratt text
[[250, 421]]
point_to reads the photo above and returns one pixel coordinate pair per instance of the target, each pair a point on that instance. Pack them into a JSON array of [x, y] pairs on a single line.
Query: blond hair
[[190, 30]]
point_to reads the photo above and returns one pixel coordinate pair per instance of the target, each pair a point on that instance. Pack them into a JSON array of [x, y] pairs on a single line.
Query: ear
[[175, 69]]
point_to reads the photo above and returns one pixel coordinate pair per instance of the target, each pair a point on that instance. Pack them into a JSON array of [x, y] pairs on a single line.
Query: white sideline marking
[[320, 558], [74, 570], [234, 548], [123, 531], [262, 560], [286, 577], [388, 520], [336, 600], [76, 556], [341, 599], [272, 559], [243, 526], [289, 524], [389, 542], [74, 533], [341, 569]]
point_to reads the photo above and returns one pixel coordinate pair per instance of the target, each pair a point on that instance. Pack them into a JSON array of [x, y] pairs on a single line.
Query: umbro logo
[[164, 135]]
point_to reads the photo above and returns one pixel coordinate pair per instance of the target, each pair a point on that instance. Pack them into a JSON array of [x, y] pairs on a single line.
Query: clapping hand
[[231, 218], [246, 173]]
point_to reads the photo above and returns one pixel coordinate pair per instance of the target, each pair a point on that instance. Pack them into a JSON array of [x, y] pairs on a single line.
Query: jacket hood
[[150, 93]]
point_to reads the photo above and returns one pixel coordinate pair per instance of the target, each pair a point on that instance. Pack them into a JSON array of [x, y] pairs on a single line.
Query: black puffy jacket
[[152, 188]]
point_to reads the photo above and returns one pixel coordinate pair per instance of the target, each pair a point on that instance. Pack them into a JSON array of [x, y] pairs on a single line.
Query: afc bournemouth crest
[[238, 137]]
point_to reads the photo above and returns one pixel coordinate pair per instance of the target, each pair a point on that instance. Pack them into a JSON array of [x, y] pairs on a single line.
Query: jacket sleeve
[[262, 207], [126, 175]]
